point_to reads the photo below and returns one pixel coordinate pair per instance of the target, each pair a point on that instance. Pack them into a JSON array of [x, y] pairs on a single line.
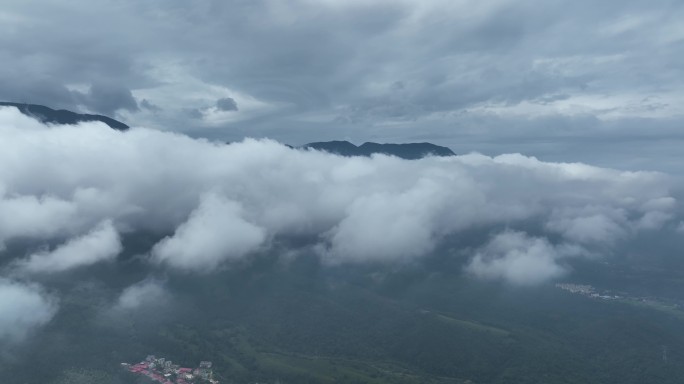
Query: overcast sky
[[599, 82]]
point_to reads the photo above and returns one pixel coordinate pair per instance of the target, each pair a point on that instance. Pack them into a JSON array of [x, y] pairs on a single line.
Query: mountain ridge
[[409, 151], [62, 116]]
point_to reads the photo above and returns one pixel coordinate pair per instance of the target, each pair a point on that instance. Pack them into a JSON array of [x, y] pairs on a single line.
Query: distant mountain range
[[410, 151], [61, 116]]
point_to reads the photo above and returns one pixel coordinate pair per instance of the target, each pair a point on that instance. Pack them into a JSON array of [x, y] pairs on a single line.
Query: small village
[[588, 291], [165, 372], [650, 301]]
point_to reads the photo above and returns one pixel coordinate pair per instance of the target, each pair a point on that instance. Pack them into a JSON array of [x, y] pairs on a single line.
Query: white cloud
[[518, 259], [148, 292], [585, 226], [23, 307], [102, 243], [213, 233], [391, 226], [35, 216]]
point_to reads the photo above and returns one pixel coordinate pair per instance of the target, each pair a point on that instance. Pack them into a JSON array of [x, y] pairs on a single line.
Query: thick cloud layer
[[221, 203], [22, 308]]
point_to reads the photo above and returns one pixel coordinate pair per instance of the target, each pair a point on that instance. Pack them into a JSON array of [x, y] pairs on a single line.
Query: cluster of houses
[[165, 372], [588, 291]]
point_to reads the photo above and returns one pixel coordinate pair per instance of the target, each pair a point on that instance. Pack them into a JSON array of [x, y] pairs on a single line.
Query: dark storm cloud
[[226, 104], [146, 104], [386, 70], [108, 98], [39, 91]]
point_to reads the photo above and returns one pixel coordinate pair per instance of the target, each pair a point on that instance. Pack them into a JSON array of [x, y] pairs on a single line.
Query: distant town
[[587, 290], [165, 372], [653, 302]]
